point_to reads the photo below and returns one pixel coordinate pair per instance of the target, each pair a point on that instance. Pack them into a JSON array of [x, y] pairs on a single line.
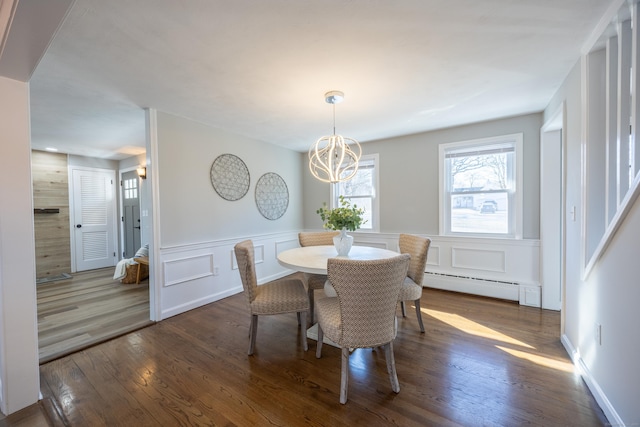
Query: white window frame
[[515, 197], [375, 202]]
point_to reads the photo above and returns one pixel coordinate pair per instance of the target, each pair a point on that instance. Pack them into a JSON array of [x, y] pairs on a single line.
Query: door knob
[[79, 226]]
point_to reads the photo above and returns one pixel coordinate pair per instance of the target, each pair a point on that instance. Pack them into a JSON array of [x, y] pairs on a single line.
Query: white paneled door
[[93, 218]]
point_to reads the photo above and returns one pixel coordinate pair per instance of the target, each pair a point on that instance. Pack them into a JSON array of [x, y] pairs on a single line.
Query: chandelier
[[331, 158]]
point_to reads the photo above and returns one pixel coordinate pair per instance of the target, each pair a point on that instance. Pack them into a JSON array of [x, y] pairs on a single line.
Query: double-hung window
[[361, 190], [481, 187]]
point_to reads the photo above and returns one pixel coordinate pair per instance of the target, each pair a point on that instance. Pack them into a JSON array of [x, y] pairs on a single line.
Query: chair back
[[245, 256], [317, 238], [418, 248], [367, 294]]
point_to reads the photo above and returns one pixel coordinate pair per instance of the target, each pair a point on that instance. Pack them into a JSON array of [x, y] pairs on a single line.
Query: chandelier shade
[[334, 158]]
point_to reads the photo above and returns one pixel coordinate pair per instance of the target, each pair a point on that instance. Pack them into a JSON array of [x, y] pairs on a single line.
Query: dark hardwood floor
[[481, 362]]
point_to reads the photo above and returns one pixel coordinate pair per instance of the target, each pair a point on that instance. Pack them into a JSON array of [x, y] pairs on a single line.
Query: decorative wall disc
[[272, 195], [230, 177]]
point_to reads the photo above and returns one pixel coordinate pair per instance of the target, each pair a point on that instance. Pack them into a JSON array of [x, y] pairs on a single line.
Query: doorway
[[552, 212], [87, 306], [130, 197]]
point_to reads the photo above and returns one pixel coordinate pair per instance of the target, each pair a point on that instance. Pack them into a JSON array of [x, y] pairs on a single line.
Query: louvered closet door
[[93, 199]]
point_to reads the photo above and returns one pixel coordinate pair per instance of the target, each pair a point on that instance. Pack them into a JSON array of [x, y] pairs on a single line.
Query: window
[[361, 191], [131, 188], [481, 187]]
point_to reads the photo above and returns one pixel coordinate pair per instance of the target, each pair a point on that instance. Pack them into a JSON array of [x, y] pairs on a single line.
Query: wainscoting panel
[[433, 257], [478, 259], [185, 269]]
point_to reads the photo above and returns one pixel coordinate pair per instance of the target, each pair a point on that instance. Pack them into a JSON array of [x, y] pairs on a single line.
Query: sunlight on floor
[[539, 360], [473, 328]]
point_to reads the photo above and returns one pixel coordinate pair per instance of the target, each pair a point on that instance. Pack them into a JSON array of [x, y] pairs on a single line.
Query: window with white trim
[[361, 191], [481, 187]]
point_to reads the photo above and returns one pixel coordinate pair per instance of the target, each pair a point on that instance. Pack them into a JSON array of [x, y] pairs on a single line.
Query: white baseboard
[[177, 309], [604, 403]]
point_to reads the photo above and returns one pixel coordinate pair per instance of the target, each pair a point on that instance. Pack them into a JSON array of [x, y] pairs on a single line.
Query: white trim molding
[[582, 368]]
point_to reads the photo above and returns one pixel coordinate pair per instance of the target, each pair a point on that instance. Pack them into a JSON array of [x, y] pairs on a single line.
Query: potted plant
[[343, 218]]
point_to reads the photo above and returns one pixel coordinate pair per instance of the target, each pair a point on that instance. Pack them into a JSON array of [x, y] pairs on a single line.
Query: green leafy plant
[[345, 216]]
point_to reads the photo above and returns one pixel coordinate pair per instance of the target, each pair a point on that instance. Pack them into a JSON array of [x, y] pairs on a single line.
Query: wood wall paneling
[[51, 190]]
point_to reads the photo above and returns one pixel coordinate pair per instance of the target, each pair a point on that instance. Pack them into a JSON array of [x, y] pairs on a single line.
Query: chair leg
[[391, 367], [419, 314], [404, 309], [253, 331], [344, 378], [302, 315], [319, 345], [311, 304]]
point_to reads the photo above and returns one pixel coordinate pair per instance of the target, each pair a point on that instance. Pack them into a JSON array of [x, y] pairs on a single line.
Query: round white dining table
[[313, 259]]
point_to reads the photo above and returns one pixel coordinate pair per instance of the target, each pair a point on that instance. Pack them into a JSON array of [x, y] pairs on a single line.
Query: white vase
[[343, 242]]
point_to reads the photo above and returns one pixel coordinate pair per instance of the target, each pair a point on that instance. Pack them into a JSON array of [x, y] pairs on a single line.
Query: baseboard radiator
[[525, 294]]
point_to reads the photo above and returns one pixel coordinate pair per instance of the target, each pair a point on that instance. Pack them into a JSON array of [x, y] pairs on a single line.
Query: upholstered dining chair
[[418, 248], [363, 315], [276, 297], [315, 281]]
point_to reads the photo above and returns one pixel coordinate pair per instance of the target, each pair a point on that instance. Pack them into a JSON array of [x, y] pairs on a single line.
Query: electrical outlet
[[598, 333], [216, 270]]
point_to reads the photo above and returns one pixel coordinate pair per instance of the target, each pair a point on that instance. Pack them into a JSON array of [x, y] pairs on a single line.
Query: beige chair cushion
[[328, 312], [410, 291], [283, 296]]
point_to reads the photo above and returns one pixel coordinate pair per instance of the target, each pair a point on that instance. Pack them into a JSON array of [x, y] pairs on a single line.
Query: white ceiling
[[260, 68]]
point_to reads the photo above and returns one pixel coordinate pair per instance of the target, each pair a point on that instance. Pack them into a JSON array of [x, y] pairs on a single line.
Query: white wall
[[198, 228], [19, 376], [609, 295], [409, 176]]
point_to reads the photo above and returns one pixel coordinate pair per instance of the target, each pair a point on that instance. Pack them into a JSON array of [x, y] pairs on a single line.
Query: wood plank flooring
[[88, 308], [481, 362]]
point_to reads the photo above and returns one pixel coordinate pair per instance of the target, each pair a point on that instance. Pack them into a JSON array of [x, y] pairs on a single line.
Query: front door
[[93, 218], [130, 213]]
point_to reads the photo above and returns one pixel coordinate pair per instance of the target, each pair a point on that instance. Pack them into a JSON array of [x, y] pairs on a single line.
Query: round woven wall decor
[[272, 195], [230, 177]]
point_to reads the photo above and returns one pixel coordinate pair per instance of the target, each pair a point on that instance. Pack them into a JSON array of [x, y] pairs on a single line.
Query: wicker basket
[[132, 273]]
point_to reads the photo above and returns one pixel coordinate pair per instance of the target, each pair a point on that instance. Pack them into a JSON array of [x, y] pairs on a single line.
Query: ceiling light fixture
[[331, 158]]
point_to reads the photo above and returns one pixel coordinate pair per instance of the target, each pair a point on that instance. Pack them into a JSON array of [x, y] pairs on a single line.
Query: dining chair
[[315, 281], [418, 248], [276, 297], [363, 315]]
